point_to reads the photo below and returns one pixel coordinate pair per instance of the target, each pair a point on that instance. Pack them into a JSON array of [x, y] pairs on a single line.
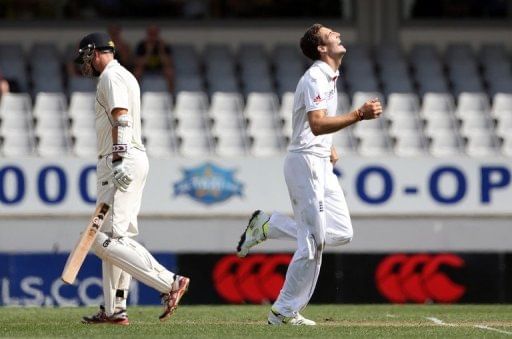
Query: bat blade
[[77, 256]]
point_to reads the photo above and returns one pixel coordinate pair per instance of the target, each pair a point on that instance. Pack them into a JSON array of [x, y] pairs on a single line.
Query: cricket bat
[[77, 256]]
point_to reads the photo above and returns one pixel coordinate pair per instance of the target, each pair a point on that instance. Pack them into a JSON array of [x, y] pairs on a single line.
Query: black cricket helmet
[[94, 41]]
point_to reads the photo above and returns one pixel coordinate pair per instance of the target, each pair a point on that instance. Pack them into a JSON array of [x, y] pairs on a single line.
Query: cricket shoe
[[171, 300], [275, 318], [118, 318], [255, 232]]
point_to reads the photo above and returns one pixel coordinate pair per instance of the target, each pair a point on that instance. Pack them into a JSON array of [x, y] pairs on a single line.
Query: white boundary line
[[484, 327], [438, 321]]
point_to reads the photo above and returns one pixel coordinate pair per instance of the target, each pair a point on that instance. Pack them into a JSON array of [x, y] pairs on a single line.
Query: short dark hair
[[310, 41]]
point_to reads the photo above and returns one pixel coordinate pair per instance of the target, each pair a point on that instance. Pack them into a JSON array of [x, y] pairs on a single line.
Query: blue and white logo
[[208, 184]]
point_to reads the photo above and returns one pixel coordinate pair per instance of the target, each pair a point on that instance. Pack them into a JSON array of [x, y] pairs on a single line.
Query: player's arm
[[320, 123], [121, 137], [121, 132]]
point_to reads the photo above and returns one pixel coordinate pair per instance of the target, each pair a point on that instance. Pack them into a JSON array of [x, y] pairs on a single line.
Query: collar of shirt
[[327, 70], [111, 63]]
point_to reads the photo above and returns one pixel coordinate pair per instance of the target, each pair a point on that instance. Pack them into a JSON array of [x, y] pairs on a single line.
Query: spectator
[[153, 56], [4, 86], [123, 52]]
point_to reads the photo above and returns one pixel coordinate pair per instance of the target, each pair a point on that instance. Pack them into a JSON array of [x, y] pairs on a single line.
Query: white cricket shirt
[[316, 90], [117, 88]]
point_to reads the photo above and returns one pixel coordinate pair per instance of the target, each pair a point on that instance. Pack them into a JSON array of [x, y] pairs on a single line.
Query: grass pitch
[[334, 321]]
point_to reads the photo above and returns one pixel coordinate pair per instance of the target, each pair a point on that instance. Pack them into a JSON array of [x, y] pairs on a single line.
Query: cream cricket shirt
[[316, 90], [117, 88]]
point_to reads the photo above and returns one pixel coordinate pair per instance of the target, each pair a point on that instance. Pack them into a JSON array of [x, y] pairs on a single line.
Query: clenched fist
[[371, 109]]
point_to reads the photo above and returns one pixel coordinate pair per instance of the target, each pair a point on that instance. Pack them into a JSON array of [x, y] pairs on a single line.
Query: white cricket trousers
[[122, 256], [321, 217]]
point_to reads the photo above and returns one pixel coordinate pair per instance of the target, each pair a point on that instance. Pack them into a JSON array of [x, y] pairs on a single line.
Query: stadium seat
[[445, 143], [15, 103], [410, 143], [17, 144], [195, 144], [156, 102], [266, 144], [160, 144], [53, 143], [374, 144], [438, 102], [231, 144], [344, 142], [481, 143]]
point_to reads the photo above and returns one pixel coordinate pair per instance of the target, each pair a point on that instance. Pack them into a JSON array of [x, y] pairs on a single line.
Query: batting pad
[[133, 258]]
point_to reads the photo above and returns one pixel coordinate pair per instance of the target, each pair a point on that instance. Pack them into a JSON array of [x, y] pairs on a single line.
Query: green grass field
[[250, 321]]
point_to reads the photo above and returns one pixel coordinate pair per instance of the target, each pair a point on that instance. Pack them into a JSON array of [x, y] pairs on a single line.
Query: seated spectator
[[153, 56], [4, 86], [123, 50]]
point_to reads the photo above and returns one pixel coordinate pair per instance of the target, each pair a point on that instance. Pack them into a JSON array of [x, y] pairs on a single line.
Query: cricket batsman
[[122, 170]]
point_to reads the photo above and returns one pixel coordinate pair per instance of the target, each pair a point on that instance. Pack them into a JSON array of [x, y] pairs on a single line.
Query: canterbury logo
[[255, 279], [418, 278]]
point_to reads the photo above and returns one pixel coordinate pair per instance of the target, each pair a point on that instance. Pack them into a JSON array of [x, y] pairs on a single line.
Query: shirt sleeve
[[315, 91], [116, 93]]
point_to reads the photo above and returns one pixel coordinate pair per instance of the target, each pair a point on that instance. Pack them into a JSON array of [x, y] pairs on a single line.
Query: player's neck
[[334, 63]]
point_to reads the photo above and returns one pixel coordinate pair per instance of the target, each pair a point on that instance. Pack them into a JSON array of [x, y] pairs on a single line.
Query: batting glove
[[120, 176]]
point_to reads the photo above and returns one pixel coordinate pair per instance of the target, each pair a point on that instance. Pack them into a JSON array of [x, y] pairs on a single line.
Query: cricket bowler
[[321, 215]]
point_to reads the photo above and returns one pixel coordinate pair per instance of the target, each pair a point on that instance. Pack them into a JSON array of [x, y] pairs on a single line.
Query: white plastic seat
[[231, 144], [190, 103], [402, 102], [504, 125], [16, 124], [82, 102], [17, 144], [501, 102], [440, 122], [476, 122], [261, 102], [226, 123], [14, 103], [481, 143], [439, 102], [472, 102], [367, 127], [160, 144], [155, 122], [404, 124], [226, 103], [85, 144], [49, 102], [53, 144], [156, 102], [50, 120], [506, 147], [194, 144], [193, 123], [445, 143], [266, 144], [344, 142], [410, 144], [374, 144]]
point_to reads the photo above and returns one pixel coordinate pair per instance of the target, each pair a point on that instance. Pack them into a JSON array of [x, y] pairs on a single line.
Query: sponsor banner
[[34, 279], [176, 187]]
